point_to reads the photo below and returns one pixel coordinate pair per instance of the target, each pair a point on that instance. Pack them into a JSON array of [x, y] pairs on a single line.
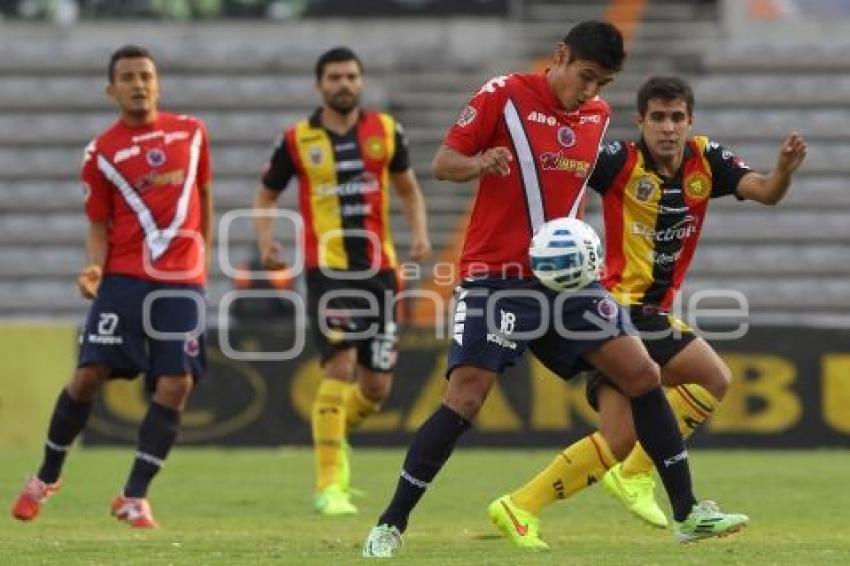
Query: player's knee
[[173, 390], [719, 381], [641, 377], [467, 391], [376, 386], [87, 382]]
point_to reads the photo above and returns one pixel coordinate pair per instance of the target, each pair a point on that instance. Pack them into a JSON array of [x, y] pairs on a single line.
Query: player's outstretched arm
[[96, 247], [771, 188], [265, 200], [451, 165], [413, 206]]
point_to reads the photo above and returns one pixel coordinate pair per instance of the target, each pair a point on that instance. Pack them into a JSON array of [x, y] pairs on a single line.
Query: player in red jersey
[[149, 204], [533, 141]]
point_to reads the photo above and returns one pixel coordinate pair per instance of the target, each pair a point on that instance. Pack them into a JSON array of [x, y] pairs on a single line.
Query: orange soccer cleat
[[32, 497], [135, 511]]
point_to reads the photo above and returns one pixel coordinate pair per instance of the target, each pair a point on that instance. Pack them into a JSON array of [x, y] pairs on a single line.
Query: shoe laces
[[135, 509], [708, 507]]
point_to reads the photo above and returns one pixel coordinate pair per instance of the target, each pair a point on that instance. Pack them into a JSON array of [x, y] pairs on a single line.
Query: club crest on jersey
[[155, 157], [467, 115], [644, 189], [375, 147], [697, 185], [316, 155], [566, 136]]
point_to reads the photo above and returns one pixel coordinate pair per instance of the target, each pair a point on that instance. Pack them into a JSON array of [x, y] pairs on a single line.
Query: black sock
[[156, 436], [69, 418], [659, 434], [431, 447]]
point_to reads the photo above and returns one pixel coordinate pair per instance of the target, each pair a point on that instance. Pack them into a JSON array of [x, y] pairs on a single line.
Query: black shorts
[[662, 334], [354, 313], [167, 340]]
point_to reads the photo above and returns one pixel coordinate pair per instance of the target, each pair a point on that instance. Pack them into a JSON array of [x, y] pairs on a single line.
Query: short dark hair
[[664, 88], [126, 52], [600, 42], [339, 54]]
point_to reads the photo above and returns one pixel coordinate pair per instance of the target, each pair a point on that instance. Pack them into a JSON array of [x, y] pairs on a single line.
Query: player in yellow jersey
[[345, 158], [655, 196]]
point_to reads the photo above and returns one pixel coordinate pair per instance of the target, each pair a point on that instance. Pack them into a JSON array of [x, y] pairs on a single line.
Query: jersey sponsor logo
[[349, 210], [590, 119], [361, 185], [348, 165], [467, 116], [126, 153], [152, 180], [541, 118], [347, 146], [557, 161], [155, 157], [566, 136], [664, 260], [682, 229], [644, 189], [697, 185]]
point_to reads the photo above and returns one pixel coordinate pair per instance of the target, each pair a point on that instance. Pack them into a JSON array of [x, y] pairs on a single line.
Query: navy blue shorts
[[496, 319], [118, 336]]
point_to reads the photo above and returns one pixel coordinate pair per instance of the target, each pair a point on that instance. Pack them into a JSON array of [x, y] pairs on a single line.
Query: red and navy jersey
[[554, 152], [145, 183], [343, 188], [652, 222]]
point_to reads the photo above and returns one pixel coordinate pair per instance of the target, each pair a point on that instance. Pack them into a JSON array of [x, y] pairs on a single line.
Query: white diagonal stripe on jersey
[[577, 203], [530, 182], [158, 240], [165, 236], [158, 462]]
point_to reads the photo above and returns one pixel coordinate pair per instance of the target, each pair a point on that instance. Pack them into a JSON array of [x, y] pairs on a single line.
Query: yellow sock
[[328, 421], [578, 466], [357, 407], [692, 405]]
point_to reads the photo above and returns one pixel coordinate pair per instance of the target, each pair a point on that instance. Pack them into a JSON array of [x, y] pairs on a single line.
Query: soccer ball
[[566, 254]]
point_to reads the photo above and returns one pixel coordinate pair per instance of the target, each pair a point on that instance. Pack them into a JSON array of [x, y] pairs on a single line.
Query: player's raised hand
[[270, 257], [791, 153], [88, 280], [496, 161]]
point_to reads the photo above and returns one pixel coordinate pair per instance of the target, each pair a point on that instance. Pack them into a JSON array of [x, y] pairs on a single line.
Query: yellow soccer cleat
[[637, 493], [517, 525], [334, 501]]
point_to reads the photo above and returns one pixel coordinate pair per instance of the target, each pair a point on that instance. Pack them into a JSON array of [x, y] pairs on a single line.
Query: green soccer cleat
[[706, 520], [637, 493], [383, 542], [517, 525], [333, 501]]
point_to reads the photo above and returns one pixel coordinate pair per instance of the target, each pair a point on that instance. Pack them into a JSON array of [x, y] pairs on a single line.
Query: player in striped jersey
[[655, 195]]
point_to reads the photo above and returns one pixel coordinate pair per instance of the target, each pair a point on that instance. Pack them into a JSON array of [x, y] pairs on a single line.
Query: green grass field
[[254, 507]]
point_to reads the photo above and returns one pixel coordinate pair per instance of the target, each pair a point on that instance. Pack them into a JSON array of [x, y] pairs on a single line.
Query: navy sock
[[431, 447], [68, 420], [659, 434], [156, 437]]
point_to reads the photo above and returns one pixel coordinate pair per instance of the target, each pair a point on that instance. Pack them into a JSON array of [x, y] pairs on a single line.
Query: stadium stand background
[[246, 68]]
